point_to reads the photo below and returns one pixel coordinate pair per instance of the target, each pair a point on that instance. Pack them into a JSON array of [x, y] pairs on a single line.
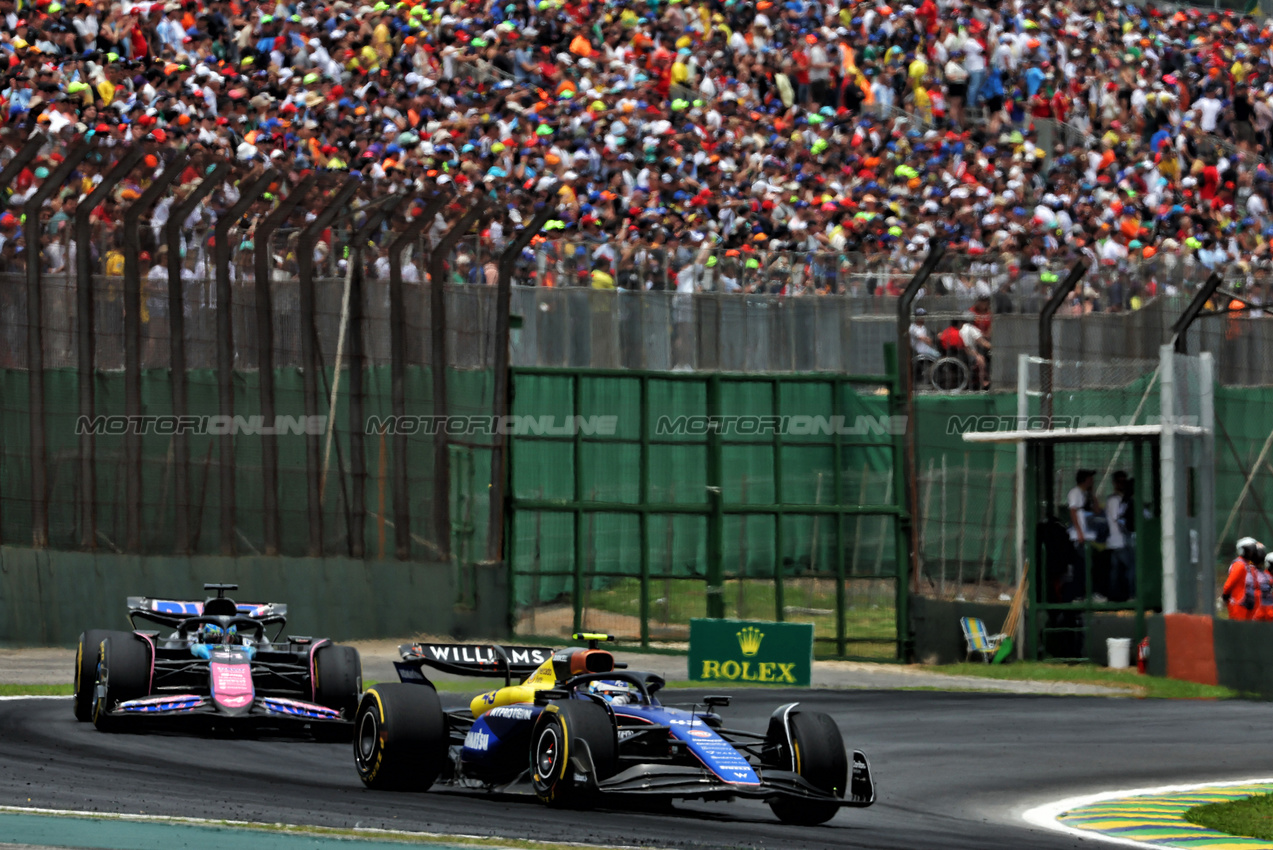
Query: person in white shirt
[[1122, 553], [1082, 505], [975, 343], [1209, 109], [921, 339]]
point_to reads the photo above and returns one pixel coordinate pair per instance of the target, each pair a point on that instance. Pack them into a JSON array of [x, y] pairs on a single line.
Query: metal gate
[[639, 500]]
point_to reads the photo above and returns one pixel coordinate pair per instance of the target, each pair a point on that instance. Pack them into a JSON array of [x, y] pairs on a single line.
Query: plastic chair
[[978, 639]]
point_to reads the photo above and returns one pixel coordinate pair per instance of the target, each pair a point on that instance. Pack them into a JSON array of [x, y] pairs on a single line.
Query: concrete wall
[[1244, 656], [939, 640], [935, 626], [48, 598]]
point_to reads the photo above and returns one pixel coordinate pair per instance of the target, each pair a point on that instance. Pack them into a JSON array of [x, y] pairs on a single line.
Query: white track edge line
[[37, 696], [1046, 815], [362, 832]]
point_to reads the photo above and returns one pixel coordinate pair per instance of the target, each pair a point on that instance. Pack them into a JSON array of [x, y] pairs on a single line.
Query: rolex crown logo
[[749, 639]]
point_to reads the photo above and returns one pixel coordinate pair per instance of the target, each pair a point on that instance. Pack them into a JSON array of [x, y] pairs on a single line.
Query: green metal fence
[[672, 495]]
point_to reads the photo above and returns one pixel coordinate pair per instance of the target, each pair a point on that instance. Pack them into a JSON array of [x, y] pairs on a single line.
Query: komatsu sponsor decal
[[477, 740], [512, 712]]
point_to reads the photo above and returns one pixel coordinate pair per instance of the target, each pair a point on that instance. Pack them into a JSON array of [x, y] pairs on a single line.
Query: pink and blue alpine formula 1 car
[[216, 667]]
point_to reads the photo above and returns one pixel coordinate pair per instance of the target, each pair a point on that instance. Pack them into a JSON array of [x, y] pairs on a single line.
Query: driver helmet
[[1247, 548], [212, 633], [615, 693]]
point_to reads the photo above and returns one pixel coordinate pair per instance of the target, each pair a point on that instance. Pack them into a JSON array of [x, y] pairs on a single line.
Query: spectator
[[1083, 506], [1120, 545], [977, 347]]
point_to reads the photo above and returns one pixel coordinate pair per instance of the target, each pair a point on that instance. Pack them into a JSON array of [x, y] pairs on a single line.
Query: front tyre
[[400, 737], [564, 731], [86, 671], [816, 752], [123, 673]]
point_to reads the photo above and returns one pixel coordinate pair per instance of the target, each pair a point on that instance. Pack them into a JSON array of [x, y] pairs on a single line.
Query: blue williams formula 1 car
[[581, 730], [218, 668]]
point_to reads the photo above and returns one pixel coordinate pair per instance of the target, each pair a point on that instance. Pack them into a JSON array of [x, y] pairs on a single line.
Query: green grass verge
[[352, 835], [1090, 674], [870, 616], [36, 690], [1252, 817]]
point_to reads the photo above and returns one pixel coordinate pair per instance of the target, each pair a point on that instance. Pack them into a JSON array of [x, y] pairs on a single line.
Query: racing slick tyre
[[337, 684], [817, 750], [86, 671], [123, 673], [400, 737], [556, 738]]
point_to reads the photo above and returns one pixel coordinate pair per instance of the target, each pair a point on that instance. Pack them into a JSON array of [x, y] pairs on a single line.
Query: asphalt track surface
[[952, 770]]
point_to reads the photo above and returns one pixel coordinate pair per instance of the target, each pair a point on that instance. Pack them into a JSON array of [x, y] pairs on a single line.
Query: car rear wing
[[470, 659], [171, 612]]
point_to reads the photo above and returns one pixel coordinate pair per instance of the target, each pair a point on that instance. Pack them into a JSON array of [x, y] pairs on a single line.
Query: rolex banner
[[750, 651]]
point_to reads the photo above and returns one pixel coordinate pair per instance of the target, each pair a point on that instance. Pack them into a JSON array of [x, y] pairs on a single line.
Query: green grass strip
[[1252, 817], [1153, 687], [52, 828], [36, 690]]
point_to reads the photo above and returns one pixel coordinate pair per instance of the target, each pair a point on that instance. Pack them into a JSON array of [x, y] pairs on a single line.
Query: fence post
[[309, 353], [716, 500], [265, 356], [132, 342], [397, 370], [437, 313], [225, 348], [1180, 327], [35, 342], [1045, 367], [910, 449], [502, 401], [1045, 335], [86, 336], [14, 167], [357, 362], [177, 346], [25, 154]]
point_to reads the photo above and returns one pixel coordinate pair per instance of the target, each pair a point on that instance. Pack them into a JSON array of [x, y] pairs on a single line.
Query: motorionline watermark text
[[796, 425], [215, 426], [663, 426], [990, 423]]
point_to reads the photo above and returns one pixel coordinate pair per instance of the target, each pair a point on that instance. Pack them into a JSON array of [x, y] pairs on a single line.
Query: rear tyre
[[86, 671], [400, 737], [561, 732], [337, 684], [123, 673], [819, 756]]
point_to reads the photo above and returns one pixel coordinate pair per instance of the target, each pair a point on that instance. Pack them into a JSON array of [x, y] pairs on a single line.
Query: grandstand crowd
[[731, 132]]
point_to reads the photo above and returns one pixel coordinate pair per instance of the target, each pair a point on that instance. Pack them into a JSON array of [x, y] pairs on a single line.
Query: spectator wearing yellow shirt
[[114, 263], [381, 38], [917, 70]]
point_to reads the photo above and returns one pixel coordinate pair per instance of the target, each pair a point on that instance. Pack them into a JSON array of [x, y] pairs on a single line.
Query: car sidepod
[[495, 746]]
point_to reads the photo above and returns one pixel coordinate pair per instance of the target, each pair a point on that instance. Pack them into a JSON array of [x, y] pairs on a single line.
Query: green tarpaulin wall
[[470, 393]]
